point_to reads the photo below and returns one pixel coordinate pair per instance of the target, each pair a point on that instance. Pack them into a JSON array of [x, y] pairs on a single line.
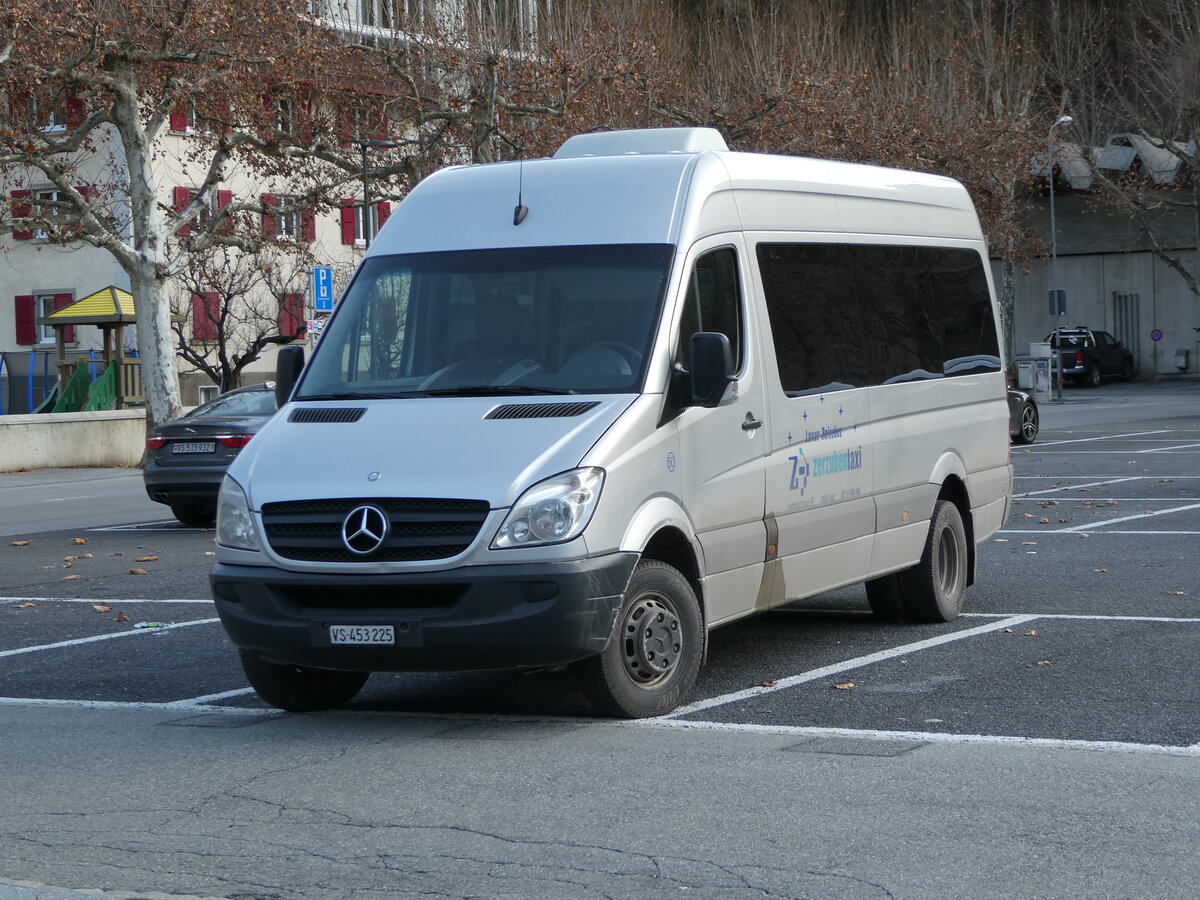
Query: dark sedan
[[186, 458], [1022, 416]]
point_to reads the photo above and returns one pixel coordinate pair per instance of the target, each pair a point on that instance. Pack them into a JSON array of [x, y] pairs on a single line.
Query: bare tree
[[89, 80]]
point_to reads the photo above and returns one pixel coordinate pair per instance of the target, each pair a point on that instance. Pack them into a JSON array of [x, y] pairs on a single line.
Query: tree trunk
[[156, 345]]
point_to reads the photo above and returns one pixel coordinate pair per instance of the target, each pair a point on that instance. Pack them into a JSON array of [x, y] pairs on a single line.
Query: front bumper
[[477, 617]]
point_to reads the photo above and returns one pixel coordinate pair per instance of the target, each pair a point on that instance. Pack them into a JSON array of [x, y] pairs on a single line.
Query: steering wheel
[[633, 357]]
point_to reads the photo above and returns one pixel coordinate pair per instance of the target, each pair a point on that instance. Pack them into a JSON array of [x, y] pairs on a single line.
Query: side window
[[713, 303], [856, 315]]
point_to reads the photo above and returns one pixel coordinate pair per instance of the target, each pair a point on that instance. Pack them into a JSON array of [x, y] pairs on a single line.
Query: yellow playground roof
[[109, 305]]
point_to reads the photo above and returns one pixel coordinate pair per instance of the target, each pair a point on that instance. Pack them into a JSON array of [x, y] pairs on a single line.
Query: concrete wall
[[61, 440]]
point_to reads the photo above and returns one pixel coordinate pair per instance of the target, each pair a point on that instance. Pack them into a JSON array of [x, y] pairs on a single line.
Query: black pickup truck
[[1090, 356]]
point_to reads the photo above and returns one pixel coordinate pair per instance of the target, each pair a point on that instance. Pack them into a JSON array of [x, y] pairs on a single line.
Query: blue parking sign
[[322, 289]]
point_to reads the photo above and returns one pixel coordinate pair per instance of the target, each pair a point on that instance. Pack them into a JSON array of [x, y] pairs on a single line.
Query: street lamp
[[1056, 305], [367, 219]]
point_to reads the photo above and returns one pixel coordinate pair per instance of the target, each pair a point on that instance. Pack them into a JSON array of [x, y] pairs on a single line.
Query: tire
[[1127, 370], [196, 515], [300, 688], [1094, 377], [934, 589], [647, 669], [1027, 425]]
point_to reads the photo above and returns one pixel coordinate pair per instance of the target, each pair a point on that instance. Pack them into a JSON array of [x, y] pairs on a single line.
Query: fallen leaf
[[1043, 521], [100, 607], [114, 554], [70, 558], [81, 540], [1165, 480], [27, 605], [67, 565], [1176, 594], [1028, 543], [1000, 540], [1030, 516], [1101, 571], [1043, 662], [18, 543], [1063, 521], [1032, 632], [70, 577], [1083, 534], [764, 684], [138, 572], [1007, 631], [209, 553], [146, 559], [121, 617], [49, 567], [848, 686]]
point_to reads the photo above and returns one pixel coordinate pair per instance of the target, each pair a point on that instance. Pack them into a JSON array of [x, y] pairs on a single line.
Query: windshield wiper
[[356, 395], [493, 390]]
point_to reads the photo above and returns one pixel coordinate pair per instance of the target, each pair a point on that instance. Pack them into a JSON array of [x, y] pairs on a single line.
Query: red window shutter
[[180, 197], [268, 221], [308, 225], [224, 198], [20, 211], [291, 315], [348, 226], [61, 300], [25, 314], [385, 210], [75, 112], [206, 314], [179, 119]]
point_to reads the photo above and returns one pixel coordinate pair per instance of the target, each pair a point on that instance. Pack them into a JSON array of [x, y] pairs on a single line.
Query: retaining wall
[[65, 440]]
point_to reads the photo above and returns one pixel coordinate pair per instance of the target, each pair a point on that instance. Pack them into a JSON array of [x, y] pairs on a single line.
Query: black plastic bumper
[[479, 617]]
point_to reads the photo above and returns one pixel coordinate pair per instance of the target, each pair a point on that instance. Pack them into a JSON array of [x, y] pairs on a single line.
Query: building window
[[47, 116], [287, 224], [285, 119], [376, 13], [45, 206]]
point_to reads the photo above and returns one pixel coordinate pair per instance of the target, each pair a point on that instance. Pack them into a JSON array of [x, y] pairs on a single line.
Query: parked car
[[186, 458], [1022, 416], [1090, 356]]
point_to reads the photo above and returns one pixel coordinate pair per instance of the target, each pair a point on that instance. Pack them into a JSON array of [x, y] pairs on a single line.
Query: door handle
[[751, 423]]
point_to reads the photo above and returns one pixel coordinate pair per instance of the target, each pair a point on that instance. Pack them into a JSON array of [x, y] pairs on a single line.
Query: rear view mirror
[[712, 368], [288, 364]]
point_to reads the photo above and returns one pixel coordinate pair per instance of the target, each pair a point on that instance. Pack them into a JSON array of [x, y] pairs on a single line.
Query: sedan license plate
[[193, 446], [362, 634]]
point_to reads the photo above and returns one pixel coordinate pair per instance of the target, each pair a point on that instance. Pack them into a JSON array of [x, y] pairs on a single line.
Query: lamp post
[[1059, 309], [367, 219]]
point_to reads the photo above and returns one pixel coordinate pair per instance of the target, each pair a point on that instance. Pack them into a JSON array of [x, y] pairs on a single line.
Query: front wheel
[[300, 688], [654, 652]]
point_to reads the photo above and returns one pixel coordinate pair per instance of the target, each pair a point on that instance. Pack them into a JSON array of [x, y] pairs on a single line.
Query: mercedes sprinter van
[[584, 410]]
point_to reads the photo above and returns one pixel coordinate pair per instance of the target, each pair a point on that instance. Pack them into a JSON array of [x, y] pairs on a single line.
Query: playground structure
[[86, 383]]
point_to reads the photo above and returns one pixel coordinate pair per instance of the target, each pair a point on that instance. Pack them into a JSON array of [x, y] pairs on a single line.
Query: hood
[[468, 448]]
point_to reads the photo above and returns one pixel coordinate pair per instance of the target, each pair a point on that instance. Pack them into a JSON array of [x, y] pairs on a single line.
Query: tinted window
[[239, 403], [713, 303], [852, 315]]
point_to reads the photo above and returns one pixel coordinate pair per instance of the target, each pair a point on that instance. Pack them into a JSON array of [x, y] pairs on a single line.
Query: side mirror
[[288, 364], [712, 368]]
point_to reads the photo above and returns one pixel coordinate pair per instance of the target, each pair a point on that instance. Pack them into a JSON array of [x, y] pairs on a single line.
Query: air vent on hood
[[326, 414], [542, 410]]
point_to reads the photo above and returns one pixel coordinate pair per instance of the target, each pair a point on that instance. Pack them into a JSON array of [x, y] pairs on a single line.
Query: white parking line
[[1168, 620], [101, 600], [856, 663], [1093, 526], [929, 737], [1103, 437], [197, 704], [1088, 531], [1169, 449], [104, 637], [1077, 487]]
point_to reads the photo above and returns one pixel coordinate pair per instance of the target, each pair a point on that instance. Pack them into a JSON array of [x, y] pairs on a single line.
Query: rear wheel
[[935, 587], [197, 515], [654, 652], [300, 688], [1027, 426], [1094, 377]]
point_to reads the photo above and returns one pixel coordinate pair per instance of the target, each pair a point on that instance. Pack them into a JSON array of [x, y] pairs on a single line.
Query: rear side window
[[853, 315]]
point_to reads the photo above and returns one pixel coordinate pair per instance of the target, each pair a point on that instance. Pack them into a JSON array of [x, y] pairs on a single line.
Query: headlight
[[554, 511], [235, 525]]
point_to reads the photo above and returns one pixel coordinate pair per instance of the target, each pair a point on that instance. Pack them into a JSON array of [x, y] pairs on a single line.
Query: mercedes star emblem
[[364, 529]]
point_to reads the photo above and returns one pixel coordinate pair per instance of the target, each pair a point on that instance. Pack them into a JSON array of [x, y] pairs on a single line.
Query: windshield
[[555, 320]]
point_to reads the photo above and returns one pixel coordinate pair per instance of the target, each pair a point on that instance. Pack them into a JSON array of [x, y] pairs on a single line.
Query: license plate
[[362, 634], [193, 446]]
